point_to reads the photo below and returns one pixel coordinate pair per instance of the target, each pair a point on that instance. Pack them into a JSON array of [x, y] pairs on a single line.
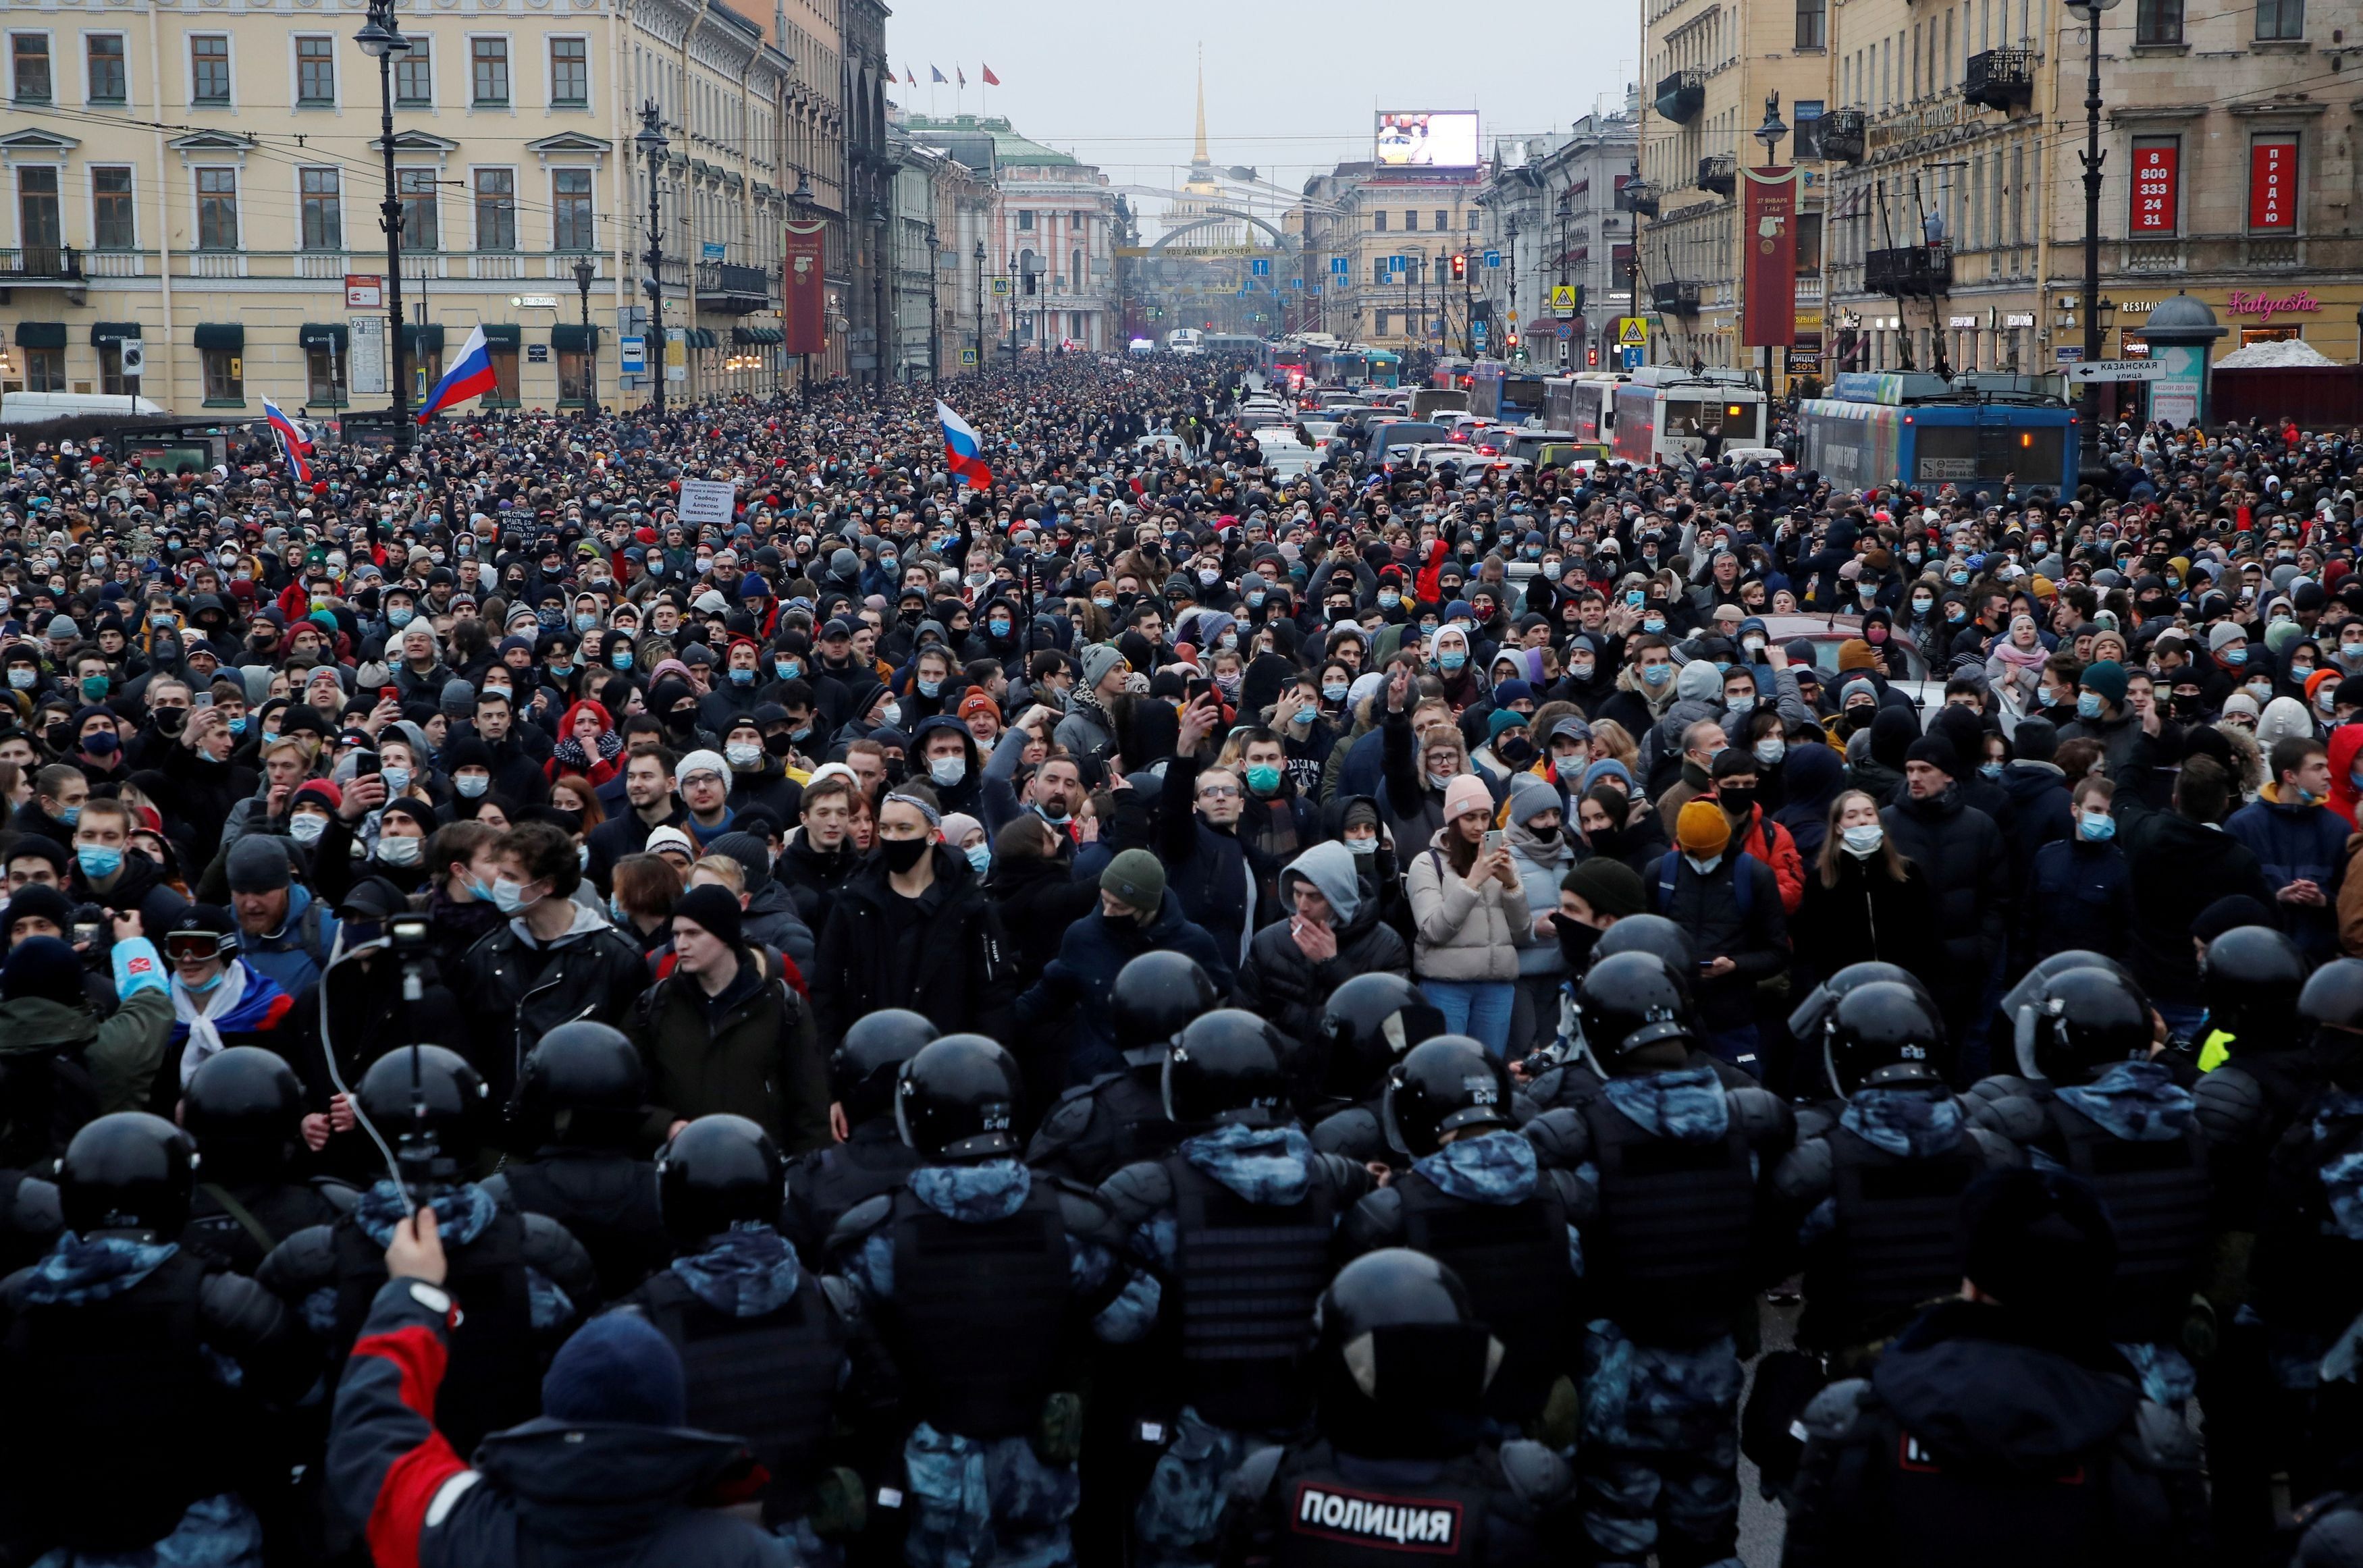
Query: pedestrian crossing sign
[[1632, 331], [1566, 300]]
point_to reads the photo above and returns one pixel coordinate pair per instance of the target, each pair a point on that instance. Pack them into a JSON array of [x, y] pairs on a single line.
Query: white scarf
[[204, 1040]]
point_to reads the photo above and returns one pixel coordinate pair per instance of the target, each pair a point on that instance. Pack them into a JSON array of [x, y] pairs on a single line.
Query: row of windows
[[493, 195], [2160, 21], [1411, 221], [32, 77]]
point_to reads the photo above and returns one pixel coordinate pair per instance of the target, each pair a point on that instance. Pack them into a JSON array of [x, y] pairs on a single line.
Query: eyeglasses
[[1218, 792]]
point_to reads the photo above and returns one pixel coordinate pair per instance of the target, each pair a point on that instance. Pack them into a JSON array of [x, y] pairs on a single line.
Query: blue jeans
[[1478, 1009]]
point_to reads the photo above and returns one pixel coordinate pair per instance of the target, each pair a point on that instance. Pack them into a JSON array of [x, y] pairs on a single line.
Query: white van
[[35, 408]]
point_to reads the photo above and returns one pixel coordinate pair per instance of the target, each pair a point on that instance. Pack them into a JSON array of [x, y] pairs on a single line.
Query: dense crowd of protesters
[[889, 742]]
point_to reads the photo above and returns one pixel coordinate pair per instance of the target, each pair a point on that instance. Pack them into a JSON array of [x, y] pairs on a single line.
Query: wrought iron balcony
[[41, 264], [1675, 299], [1682, 95], [2001, 79], [1718, 173], [1842, 136], [1637, 196], [1918, 272], [729, 288]]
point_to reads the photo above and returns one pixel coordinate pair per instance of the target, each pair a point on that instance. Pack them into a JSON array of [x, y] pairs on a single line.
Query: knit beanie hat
[[1701, 829], [617, 1367], [45, 968], [1137, 878], [2108, 678], [1530, 797], [716, 908], [1466, 794], [1938, 752], [1610, 887], [1855, 654], [258, 863]]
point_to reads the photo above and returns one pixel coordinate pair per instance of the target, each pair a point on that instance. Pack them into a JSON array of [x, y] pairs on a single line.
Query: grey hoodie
[[1330, 869]]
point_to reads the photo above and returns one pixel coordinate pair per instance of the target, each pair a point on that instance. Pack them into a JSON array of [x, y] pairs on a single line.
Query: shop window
[[225, 371]]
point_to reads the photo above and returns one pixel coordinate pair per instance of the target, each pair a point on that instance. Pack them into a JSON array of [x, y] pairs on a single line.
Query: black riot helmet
[[1882, 1034], [2081, 1023], [1367, 1023], [459, 1115], [2332, 1006], [1649, 933], [1401, 1361], [1450, 1083], [129, 1171], [2250, 980], [957, 1099], [245, 1108], [1157, 996], [584, 1084], [1811, 1016], [717, 1171], [1228, 1067], [862, 1070], [1627, 1001]]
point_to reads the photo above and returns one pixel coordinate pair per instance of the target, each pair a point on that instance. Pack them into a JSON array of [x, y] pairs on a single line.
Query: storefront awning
[[105, 332], [229, 335], [322, 335], [573, 340], [40, 334]]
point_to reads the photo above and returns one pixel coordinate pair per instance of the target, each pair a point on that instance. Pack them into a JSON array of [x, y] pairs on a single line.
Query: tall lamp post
[[935, 343], [1012, 309], [2089, 10], [584, 272], [382, 40], [978, 258], [800, 200], [1515, 318], [651, 141], [1770, 133]]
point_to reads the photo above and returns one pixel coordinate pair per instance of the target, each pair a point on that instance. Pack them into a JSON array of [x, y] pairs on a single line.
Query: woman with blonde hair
[[1864, 900], [1470, 918]]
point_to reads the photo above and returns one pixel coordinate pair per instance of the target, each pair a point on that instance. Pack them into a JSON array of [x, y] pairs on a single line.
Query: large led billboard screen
[[1428, 138]]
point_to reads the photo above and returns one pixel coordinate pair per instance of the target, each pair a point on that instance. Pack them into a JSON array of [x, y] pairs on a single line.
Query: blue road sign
[[1260, 267], [1493, 259], [1337, 265]]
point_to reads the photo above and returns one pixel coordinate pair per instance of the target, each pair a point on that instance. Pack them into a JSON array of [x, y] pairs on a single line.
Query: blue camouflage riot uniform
[[1674, 1162], [1236, 1227], [134, 1374], [2134, 1134], [781, 1358], [1485, 1207], [1871, 1199], [530, 1280], [977, 1277]]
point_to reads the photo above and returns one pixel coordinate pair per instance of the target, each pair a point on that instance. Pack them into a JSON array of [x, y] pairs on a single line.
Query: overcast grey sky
[[1288, 89]]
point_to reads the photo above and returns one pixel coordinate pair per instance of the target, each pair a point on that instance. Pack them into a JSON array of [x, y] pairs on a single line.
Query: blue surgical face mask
[[1389, 599], [97, 860], [1451, 659], [930, 688], [998, 626], [583, 622], [1741, 704], [615, 910], [2229, 656], [742, 677], [2096, 829], [1653, 624], [2088, 704], [979, 857], [397, 780], [204, 987], [1990, 769], [71, 815], [621, 658], [1657, 674], [472, 784], [786, 668], [510, 898], [1863, 837], [401, 615], [1307, 713]]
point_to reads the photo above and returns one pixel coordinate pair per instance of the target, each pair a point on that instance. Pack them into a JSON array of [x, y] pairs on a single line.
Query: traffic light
[[1591, 357], [1514, 339], [1460, 269]]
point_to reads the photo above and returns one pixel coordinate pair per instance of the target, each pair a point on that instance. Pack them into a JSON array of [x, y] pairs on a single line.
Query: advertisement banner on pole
[[1768, 229], [805, 319]]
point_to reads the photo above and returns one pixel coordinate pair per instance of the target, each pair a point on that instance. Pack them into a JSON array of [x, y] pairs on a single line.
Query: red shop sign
[[2154, 189], [2272, 185]]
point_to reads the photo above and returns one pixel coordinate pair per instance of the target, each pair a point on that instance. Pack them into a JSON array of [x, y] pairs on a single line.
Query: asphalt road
[[1761, 1524]]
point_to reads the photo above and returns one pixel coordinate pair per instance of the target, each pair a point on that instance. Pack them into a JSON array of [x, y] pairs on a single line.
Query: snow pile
[[2279, 354]]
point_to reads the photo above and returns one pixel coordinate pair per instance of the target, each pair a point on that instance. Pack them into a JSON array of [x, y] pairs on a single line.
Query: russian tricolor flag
[[962, 451], [294, 445], [471, 375]]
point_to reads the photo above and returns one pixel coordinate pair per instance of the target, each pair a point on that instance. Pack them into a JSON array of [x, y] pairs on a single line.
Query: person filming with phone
[[1469, 914]]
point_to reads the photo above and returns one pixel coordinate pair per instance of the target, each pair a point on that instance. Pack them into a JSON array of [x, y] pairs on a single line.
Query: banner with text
[[1769, 280], [805, 318]]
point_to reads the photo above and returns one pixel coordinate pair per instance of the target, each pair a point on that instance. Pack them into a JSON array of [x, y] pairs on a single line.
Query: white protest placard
[[708, 501]]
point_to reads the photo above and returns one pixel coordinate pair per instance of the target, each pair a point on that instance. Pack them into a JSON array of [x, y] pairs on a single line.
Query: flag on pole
[[934, 73], [962, 74], [910, 75], [471, 375], [294, 445], [990, 78], [962, 452]]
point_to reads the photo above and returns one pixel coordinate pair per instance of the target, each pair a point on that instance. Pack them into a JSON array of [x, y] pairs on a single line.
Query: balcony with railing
[[1675, 299], [2001, 79], [1637, 196], [1718, 173], [1682, 95], [1917, 271], [38, 264], [1842, 136], [727, 288]]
